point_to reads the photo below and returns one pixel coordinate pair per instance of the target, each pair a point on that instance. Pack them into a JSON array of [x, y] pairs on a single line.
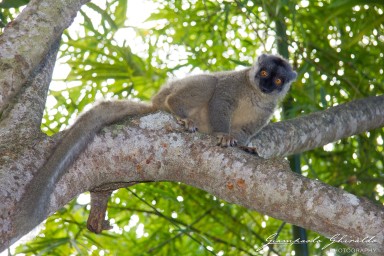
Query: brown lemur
[[232, 105]]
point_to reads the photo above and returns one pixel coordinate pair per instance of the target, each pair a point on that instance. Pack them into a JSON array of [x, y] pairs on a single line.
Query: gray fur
[[230, 105], [233, 105]]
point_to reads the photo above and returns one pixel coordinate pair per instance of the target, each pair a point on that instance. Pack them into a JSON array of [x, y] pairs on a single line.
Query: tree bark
[[153, 148], [27, 40], [28, 49], [142, 150], [320, 128]]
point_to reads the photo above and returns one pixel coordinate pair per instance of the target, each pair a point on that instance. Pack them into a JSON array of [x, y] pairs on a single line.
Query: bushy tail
[[71, 146]]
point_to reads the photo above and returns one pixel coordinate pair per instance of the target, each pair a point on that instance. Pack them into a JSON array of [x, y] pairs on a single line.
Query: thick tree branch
[[320, 128], [40, 24], [22, 122], [145, 151], [23, 147]]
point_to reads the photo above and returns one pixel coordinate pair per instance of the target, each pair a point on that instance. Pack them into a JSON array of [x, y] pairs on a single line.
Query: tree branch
[[320, 128], [40, 24], [22, 122], [144, 151]]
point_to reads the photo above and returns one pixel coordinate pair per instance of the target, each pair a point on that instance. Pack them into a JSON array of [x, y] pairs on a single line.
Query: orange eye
[[278, 81], [263, 73]]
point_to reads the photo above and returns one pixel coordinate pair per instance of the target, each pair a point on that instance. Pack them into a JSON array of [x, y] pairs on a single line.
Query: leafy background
[[337, 48]]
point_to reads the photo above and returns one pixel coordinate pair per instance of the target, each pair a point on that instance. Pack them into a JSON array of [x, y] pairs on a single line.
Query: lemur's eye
[[263, 73], [278, 81]]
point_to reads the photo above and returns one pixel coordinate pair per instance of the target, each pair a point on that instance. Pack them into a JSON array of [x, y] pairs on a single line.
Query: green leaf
[[121, 12], [351, 3], [104, 15], [13, 3], [365, 29]]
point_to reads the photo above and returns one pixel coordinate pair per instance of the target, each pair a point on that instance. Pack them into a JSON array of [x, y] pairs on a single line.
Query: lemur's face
[[273, 73]]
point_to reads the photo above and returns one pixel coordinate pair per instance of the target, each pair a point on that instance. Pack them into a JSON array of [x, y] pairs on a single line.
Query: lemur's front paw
[[188, 124], [226, 140]]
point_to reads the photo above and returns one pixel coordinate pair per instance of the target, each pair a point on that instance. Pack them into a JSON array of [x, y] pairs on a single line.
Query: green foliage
[[13, 3], [8, 8], [158, 219], [337, 48], [101, 66]]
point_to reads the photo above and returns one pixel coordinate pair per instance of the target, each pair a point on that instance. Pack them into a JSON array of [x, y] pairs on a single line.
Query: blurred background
[[129, 48]]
